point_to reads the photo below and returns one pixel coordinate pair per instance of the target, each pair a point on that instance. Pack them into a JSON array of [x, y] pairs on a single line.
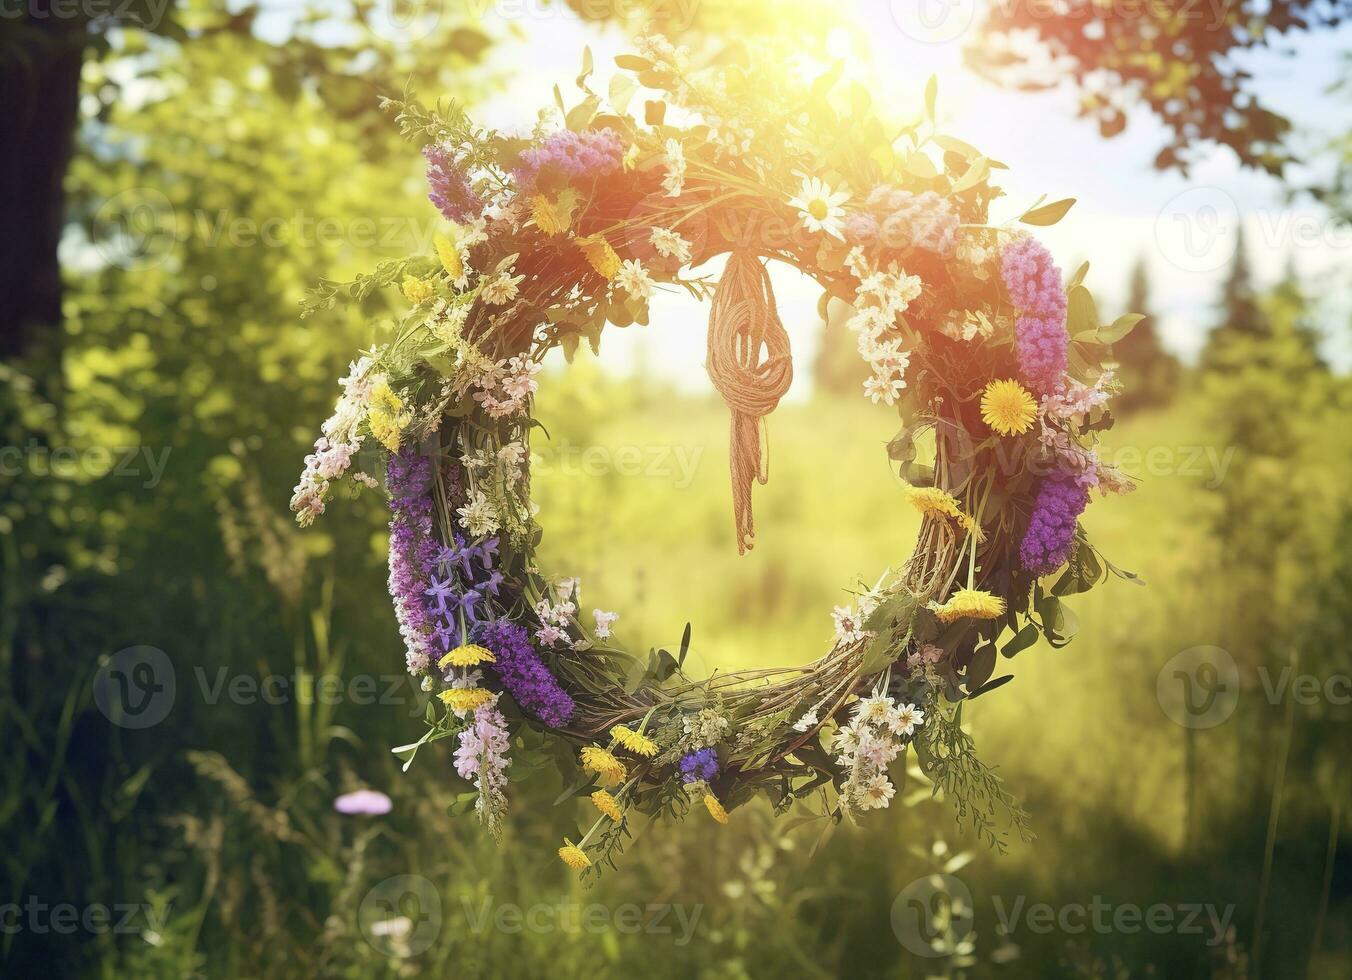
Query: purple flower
[[367, 802], [1032, 278], [1042, 342], [699, 766], [1034, 285], [570, 155], [1051, 528], [451, 191], [412, 553], [523, 674]]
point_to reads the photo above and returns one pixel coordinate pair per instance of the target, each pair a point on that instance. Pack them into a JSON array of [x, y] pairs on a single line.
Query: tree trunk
[[39, 104]]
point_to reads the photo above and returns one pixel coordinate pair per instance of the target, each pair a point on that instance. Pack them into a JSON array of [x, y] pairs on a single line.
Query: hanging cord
[[742, 323]]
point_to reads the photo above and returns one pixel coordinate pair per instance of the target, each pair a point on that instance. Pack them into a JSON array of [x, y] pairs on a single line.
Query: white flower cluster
[[706, 728], [673, 181], [882, 296], [505, 387], [556, 617], [335, 448], [868, 744]]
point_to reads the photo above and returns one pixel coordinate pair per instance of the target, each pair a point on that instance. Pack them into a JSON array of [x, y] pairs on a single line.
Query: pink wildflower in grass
[[363, 802]]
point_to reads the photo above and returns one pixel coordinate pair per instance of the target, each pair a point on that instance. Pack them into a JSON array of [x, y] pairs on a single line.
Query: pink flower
[[366, 802]]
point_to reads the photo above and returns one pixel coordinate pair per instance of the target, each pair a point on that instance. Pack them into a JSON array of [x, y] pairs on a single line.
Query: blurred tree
[[42, 53], [1179, 61], [1241, 317], [215, 181], [1149, 373]]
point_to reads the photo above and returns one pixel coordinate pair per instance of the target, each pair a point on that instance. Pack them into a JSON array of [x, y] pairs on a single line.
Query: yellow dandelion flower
[[604, 259], [467, 655], [972, 604], [633, 741], [465, 698], [450, 257], [1008, 408], [386, 416], [574, 856], [607, 804], [940, 503], [598, 760], [553, 217], [715, 808], [416, 290]]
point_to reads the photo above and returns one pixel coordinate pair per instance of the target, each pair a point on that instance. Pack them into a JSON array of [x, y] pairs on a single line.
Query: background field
[[214, 829]]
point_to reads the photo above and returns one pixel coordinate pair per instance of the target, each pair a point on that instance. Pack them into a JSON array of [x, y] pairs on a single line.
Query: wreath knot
[[750, 364]]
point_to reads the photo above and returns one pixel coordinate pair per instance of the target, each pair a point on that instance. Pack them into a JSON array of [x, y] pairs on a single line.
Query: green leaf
[[632, 62], [990, 686], [921, 166], [1081, 314], [931, 96], [622, 89], [976, 173], [587, 67], [954, 145], [1119, 328], [654, 111], [1048, 214], [1059, 624], [1021, 640]]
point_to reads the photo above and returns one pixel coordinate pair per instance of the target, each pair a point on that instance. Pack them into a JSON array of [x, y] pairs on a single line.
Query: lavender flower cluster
[[435, 587], [570, 155], [412, 548], [900, 219], [1051, 528], [451, 191], [1034, 285], [701, 766], [523, 674]]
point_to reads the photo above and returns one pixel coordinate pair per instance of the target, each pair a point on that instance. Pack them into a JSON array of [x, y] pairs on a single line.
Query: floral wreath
[[999, 370]]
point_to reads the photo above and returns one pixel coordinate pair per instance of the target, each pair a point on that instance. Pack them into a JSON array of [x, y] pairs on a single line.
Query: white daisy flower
[[820, 207], [908, 716], [634, 279], [670, 245], [501, 290], [876, 793], [883, 389]]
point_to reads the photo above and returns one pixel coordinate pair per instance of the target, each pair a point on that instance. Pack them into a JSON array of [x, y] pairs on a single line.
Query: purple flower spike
[[1051, 528], [523, 674], [450, 188], [1032, 278]]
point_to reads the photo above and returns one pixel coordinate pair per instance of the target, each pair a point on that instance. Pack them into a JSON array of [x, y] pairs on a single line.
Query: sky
[[1185, 228]]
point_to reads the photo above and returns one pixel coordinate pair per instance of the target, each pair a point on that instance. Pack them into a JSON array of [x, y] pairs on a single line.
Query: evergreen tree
[[1149, 373], [1242, 316]]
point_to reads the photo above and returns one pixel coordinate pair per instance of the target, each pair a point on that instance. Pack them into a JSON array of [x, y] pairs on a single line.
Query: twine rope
[[749, 363]]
